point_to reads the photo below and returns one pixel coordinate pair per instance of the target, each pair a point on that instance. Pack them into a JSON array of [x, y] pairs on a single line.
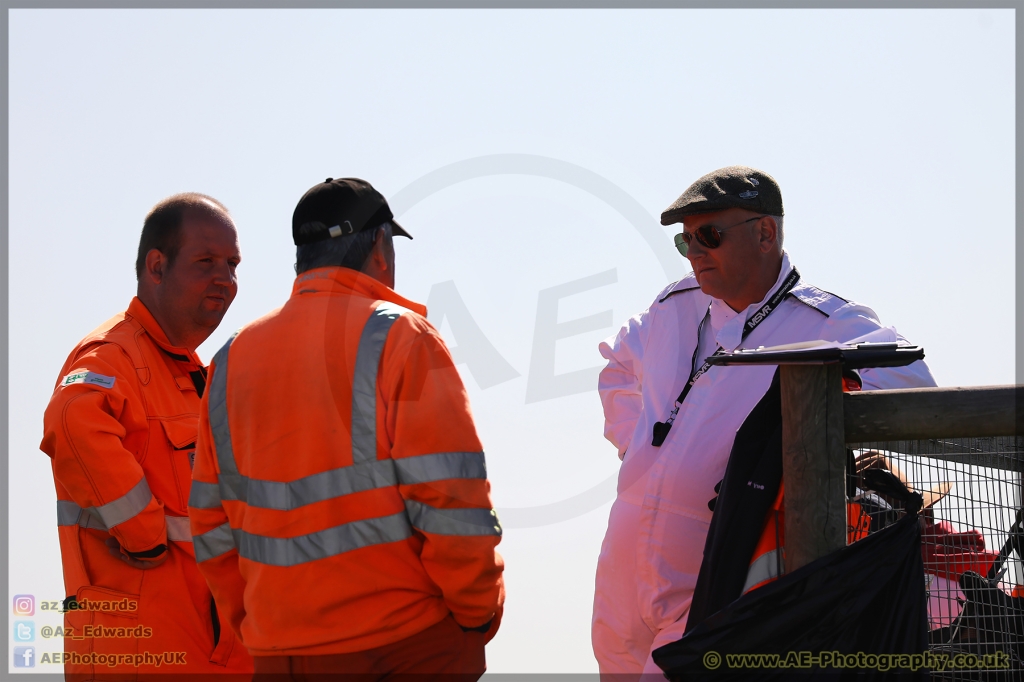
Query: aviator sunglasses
[[709, 236]]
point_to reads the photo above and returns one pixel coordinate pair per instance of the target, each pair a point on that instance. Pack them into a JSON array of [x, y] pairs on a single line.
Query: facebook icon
[[24, 657]]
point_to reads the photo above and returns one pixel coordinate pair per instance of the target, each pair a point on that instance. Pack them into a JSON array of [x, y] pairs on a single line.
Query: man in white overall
[[743, 292]]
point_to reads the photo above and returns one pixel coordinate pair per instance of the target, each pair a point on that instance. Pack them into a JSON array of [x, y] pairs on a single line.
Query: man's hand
[[115, 550], [488, 629]]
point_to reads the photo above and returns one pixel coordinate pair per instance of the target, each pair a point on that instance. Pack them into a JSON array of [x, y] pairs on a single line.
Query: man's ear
[[156, 265], [377, 252], [769, 232]]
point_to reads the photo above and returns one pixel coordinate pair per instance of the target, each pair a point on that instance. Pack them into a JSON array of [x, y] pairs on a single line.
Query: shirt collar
[[689, 281], [138, 310], [727, 324], [348, 281]]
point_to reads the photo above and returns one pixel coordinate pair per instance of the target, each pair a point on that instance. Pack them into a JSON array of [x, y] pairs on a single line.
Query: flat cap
[[730, 187]]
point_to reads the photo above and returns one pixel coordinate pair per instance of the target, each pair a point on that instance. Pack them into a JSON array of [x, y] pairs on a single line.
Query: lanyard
[[661, 429]]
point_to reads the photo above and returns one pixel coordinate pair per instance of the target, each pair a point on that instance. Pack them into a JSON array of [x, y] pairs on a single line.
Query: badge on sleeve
[[88, 378]]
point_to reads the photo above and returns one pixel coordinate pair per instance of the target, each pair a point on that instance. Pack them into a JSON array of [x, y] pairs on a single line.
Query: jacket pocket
[[180, 435], [105, 633], [224, 638]]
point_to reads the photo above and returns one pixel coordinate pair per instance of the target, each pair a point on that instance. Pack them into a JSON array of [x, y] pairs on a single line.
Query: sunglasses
[[708, 236]]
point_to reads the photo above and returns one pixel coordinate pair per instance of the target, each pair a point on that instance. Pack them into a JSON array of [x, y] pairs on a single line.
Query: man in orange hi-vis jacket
[[340, 506], [120, 430]]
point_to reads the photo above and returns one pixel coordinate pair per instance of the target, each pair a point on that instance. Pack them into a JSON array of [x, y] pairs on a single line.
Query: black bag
[[745, 495], [868, 597]]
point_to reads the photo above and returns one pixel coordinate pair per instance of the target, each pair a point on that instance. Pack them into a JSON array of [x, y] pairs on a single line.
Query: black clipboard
[[857, 356]]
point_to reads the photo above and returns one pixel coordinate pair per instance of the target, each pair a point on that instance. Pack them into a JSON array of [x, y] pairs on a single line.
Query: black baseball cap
[[730, 187], [338, 207]]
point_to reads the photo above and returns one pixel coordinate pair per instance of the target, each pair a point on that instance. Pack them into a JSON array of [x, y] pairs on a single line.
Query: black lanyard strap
[[661, 429]]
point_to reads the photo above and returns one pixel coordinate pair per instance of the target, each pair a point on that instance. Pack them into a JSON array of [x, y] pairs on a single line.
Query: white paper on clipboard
[[882, 337]]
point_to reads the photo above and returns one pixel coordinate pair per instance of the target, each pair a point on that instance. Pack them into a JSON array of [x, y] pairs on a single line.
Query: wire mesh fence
[[972, 542]]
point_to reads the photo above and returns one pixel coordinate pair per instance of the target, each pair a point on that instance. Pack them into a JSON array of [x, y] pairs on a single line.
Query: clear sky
[[530, 153]]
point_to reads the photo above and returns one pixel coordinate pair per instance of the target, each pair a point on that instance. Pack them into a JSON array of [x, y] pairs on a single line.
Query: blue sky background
[[891, 133]]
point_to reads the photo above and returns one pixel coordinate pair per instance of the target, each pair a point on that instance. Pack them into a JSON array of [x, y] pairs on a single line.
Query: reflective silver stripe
[[204, 495], [766, 567], [364, 381], [326, 485], [440, 466], [68, 513], [213, 543], [322, 544], [365, 474], [286, 496], [125, 507], [178, 529], [91, 520], [292, 495], [452, 521], [218, 414], [319, 487]]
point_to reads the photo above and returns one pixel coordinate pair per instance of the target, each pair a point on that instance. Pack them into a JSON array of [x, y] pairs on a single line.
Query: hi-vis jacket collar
[[348, 281], [140, 312]]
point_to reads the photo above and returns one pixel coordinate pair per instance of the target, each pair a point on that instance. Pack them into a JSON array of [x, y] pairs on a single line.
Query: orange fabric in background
[[773, 537]]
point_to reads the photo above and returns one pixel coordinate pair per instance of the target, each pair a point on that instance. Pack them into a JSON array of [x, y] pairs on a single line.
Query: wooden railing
[[819, 420], [917, 413]]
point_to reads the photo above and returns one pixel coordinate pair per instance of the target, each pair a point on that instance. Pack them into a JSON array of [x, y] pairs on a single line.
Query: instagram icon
[[24, 605]]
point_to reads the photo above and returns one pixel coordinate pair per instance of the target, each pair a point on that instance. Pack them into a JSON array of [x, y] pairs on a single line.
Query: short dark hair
[[348, 252], [162, 228]]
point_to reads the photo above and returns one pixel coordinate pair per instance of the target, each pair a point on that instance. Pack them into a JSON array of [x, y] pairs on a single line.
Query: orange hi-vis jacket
[[120, 430], [340, 499], [768, 561]]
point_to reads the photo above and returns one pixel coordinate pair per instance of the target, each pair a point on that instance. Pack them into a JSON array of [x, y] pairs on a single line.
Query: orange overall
[[768, 562], [340, 500], [120, 430]]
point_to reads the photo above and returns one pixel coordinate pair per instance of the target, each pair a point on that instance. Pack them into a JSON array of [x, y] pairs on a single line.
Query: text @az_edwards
[[97, 632], [123, 605]]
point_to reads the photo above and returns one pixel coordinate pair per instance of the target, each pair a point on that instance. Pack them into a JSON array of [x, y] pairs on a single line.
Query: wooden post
[[813, 462]]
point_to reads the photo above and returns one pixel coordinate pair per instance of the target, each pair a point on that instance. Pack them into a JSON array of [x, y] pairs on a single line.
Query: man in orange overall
[[340, 506], [120, 430]]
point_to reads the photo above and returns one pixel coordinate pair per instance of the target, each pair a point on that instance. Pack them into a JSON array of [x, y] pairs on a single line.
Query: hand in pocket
[[115, 550]]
